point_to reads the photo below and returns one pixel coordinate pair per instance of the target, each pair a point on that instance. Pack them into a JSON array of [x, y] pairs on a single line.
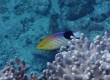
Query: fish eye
[[41, 45]]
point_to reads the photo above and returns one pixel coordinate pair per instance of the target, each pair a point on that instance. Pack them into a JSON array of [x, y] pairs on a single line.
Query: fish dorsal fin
[[67, 34], [77, 34]]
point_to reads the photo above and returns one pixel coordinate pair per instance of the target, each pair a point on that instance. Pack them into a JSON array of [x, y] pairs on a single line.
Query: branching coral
[[83, 60], [16, 73]]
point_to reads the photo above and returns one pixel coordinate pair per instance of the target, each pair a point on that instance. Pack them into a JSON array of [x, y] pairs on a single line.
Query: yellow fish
[[55, 41]]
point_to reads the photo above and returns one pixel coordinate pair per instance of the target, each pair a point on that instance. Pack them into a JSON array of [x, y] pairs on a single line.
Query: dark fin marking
[[67, 34]]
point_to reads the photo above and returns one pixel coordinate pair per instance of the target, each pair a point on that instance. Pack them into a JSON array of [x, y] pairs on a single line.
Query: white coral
[[82, 60]]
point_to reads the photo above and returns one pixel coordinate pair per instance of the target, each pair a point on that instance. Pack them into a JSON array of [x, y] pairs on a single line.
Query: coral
[[82, 60], [11, 72]]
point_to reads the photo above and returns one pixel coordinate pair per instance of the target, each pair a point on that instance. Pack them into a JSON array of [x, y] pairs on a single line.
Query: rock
[[96, 27], [101, 12], [1, 62], [42, 6], [53, 24], [75, 9]]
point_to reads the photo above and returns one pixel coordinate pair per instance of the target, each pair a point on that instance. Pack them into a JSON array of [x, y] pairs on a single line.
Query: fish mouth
[[38, 47]]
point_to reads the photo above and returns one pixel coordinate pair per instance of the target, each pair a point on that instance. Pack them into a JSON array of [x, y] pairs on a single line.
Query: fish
[[56, 40]]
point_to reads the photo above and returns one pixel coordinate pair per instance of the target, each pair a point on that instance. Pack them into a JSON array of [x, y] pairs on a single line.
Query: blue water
[[24, 23]]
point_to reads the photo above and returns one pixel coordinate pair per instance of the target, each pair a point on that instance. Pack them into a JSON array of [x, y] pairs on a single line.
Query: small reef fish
[[55, 41]]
